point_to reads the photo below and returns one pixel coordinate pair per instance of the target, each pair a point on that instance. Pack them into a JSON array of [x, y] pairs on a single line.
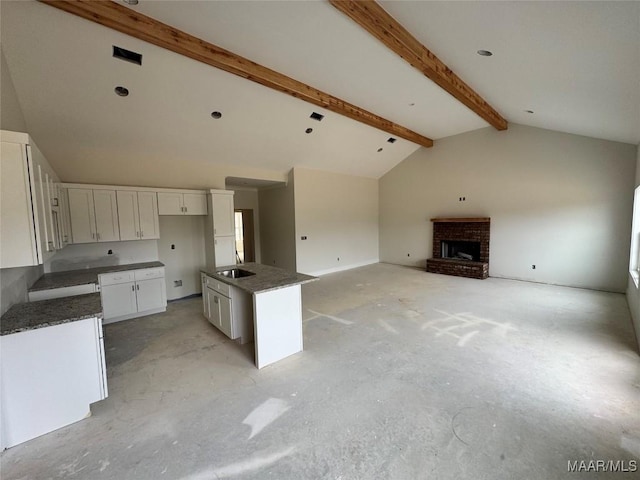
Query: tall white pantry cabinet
[[220, 239], [32, 204]]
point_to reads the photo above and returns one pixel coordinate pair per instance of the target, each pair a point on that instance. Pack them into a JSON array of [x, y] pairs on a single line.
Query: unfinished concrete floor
[[405, 375]]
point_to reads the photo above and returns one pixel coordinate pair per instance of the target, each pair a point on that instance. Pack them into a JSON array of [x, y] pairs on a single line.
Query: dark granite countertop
[[266, 277], [81, 277], [28, 316]]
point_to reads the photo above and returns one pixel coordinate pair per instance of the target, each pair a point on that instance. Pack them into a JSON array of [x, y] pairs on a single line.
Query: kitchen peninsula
[[263, 303]]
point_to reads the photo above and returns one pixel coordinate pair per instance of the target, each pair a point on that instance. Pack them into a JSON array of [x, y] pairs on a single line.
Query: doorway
[[245, 243]]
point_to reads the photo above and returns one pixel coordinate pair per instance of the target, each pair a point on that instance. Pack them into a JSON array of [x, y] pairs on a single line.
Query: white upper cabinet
[[148, 209], [138, 215], [82, 215], [17, 231], [106, 207], [223, 214], [94, 215], [170, 203], [128, 216], [29, 232], [174, 203], [195, 204]]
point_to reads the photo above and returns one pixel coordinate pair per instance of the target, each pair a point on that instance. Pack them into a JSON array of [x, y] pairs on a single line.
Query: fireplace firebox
[[460, 247]]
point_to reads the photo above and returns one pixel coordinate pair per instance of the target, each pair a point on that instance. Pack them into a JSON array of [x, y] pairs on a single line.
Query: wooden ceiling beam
[[375, 20], [130, 22]]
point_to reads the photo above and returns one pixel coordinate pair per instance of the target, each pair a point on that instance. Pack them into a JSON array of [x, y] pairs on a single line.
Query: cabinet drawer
[[217, 285], [149, 273], [116, 278]]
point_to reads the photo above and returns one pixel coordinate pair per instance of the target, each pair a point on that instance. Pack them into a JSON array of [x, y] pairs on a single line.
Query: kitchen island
[[265, 306], [52, 365]]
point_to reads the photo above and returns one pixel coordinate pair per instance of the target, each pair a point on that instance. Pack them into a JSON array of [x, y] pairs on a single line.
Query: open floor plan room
[[404, 375]]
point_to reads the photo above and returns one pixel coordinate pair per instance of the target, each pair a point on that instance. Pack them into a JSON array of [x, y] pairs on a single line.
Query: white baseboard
[[319, 273]]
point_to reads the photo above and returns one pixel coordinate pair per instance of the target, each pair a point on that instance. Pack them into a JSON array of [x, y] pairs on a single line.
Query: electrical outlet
[[173, 246], [338, 258], [304, 237], [110, 252], [408, 255], [533, 267], [177, 283]]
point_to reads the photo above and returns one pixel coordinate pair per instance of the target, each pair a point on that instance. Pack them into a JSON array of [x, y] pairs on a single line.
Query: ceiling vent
[[316, 116], [127, 55]]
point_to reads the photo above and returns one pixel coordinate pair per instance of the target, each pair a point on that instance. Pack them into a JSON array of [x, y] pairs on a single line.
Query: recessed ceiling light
[[529, 111], [216, 115], [484, 53], [122, 91], [308, 130], [380, 149], [130, 2]]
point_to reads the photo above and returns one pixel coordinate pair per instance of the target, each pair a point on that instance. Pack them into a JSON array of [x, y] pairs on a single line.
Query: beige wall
[[633, 292], [184, 261], [277, 226], [339, 216], [14, 282], [560, 201], [248, 199], [11, 117]]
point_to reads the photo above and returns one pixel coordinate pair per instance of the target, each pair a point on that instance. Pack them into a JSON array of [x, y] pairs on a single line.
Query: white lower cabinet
[[132, 293], [49, 377], [228, 308]]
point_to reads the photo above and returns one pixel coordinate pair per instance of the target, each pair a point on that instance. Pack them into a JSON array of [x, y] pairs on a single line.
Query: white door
[[223, 218], [151, 294], [195, 204], [213, 302], [225, 316], [63, 216], [52, 213], [170, 203], [128, 220], [106, 211], [82, 215], [205, 304], [118, 300], [148, 208], [225, 251], [17, 235]]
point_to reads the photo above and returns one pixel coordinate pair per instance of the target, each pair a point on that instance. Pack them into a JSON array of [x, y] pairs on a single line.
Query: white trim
[[319, 273]]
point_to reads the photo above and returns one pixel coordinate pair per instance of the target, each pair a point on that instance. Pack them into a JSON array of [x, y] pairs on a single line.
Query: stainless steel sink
[[235, 273]]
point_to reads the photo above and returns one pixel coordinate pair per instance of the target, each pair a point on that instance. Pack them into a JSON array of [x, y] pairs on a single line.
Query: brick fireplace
[[461, 247]]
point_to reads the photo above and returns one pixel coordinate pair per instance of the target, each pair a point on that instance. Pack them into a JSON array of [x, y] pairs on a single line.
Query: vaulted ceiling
[[576, 65]]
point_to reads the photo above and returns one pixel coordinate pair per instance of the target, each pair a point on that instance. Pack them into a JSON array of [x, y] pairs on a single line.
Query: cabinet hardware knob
[[141, 234], [137, 287], [133, 289]]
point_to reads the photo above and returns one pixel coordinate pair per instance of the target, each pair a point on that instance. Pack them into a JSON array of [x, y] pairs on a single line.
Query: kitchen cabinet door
[[170, 203], [195, 204], [17, 235], [106, 215], [225, 251], [213, 308], [223, 215], [226, 318], [82, 215], [148, 211], [205, 304], [63, 216], [119, 299], [151, 294], [128, 217]]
